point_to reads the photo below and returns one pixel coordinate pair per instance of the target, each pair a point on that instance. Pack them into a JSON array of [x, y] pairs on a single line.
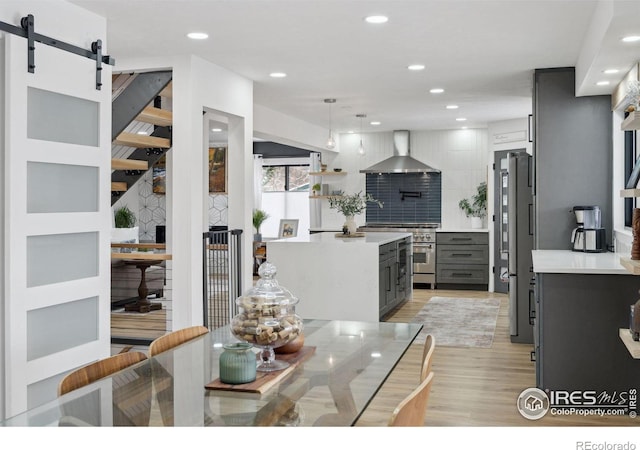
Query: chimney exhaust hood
[[401, 161]]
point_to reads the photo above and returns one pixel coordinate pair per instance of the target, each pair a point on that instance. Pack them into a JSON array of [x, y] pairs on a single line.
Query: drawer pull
[[460, 274], [461, 239], [462, 254], [532, 356]]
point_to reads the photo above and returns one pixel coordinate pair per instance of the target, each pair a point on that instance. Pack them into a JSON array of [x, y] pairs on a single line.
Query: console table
[[143, 305]]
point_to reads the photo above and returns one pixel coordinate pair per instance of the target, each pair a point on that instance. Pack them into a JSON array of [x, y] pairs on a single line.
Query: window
[[630, 156], [285, 178]]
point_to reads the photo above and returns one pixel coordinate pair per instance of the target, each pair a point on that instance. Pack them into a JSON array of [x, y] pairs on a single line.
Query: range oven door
[[424, 257]]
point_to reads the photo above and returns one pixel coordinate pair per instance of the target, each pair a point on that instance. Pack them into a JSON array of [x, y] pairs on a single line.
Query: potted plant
[[316, 188], [259, 216], [476, 206], [350, 205], [125, 218], [125, 231]]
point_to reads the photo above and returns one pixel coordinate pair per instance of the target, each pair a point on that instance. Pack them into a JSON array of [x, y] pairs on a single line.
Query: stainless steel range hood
[[401, 161]]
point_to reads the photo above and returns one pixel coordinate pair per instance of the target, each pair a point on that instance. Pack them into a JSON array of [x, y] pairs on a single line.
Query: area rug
[[459, 322]]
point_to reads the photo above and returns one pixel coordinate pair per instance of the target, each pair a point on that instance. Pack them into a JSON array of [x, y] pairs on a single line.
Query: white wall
[[284, 205], [2, 236], [200, 85], [461, 156]]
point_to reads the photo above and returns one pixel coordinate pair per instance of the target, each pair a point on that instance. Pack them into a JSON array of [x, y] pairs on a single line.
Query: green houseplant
[[125, 218], [316, 188], [259, 216], [476, 206], [350, 205]]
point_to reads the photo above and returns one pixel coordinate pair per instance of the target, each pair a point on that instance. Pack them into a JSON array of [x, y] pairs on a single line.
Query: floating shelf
[[326, 173], [632, 346], [628, 193], [324, 196], [632, 266], [632, 122]]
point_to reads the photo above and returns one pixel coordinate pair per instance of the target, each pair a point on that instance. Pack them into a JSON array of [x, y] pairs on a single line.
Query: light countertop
[[462, 230], [567, 261], [377, 238]]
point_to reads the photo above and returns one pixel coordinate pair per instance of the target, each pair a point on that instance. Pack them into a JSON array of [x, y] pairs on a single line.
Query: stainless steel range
[[424, 246]]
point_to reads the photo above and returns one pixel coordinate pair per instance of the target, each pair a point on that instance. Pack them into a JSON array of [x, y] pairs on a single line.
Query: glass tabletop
[[332, 387]]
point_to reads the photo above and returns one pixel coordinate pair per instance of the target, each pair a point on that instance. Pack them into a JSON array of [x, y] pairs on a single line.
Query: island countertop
[[375, 238], [567, 261]]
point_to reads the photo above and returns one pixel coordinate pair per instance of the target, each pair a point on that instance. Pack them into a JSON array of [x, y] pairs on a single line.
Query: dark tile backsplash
[[422, 197]]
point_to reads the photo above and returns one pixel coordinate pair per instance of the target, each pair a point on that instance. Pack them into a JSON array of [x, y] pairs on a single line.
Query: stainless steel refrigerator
[[518, 225]]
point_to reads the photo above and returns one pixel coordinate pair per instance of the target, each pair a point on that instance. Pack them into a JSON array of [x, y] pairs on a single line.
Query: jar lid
[[267, 290], [237, 346]]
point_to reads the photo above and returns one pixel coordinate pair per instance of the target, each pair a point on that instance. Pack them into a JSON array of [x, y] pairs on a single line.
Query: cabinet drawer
[[387, 251], [452, 273], [462, 254], [462, 238]]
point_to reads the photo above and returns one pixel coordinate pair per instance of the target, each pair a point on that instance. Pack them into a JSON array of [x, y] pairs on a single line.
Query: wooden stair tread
[[156, 116], [141, 141], [167, 91], [118, 186], [129, 164]]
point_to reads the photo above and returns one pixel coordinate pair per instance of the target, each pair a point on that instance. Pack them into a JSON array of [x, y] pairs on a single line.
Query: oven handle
[[422, 248]]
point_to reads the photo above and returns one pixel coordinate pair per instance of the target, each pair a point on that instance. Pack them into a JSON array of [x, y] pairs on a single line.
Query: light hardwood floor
[[472, 386]]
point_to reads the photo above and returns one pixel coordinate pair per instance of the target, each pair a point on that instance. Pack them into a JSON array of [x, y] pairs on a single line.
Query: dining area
[[177, 382]]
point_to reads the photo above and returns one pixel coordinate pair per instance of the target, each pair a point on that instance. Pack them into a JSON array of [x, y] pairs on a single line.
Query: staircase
[[141, 126]]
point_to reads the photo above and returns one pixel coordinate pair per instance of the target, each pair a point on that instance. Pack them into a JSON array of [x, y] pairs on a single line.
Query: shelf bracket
[[27, 30]]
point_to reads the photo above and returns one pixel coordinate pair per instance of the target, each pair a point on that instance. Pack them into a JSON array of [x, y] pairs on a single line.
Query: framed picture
[[635, 175], [218, 170], [288, 228], [159, 172]]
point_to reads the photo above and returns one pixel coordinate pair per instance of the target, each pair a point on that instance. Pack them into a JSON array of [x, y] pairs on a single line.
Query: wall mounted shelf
[[631, 122], [326, 173], [628, 193], [631, 265], [324, 196], [632, 346]]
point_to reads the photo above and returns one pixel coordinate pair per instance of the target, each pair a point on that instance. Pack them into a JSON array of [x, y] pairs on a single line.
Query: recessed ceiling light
[[602, 83], [376, 19], [416, 67], [197, 35], [142, 132], [375, 122], [350, 131], [452, 106], [610, 71], [464, 128], [216, 130], [461, 119], [437, 91], [631, 39], [277, 74]]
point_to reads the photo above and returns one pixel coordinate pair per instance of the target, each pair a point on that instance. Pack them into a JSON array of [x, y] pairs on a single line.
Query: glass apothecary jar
[[267, 318]]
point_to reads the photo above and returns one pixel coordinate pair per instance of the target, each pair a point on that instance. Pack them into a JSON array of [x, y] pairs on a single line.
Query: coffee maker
[[589, 236]]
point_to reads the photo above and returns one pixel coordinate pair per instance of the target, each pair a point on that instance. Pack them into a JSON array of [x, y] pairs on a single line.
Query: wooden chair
[[427, 356], [97, 370], [175, 338], [411, 411]]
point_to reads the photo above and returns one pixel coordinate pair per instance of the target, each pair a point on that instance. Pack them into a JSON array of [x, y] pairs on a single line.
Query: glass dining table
[[348, 364]]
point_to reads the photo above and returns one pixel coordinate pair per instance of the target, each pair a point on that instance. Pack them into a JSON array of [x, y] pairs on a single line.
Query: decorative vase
[[257, 237], [237, 363], [350, 224], [476, 222]]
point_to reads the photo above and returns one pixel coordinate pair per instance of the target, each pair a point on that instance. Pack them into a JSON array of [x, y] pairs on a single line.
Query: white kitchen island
[[339, 278]]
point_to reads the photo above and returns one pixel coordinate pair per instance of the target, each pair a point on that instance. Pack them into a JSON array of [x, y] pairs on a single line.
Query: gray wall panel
[[572, 156]]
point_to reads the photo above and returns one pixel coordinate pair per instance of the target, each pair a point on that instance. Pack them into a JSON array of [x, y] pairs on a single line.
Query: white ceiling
[[481, 52]]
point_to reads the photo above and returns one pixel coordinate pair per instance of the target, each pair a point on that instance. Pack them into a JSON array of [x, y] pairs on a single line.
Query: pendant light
[[331, 143], [361, 148]]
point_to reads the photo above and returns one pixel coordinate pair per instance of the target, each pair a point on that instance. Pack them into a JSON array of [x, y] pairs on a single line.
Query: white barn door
[[57, 218]]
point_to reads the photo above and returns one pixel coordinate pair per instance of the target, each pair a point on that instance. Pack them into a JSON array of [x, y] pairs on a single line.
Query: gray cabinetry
[[394, 274], [576, 332], [462, 260]]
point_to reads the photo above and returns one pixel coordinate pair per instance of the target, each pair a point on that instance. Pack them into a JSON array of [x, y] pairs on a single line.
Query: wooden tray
[[265, 380], [357, 234]]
